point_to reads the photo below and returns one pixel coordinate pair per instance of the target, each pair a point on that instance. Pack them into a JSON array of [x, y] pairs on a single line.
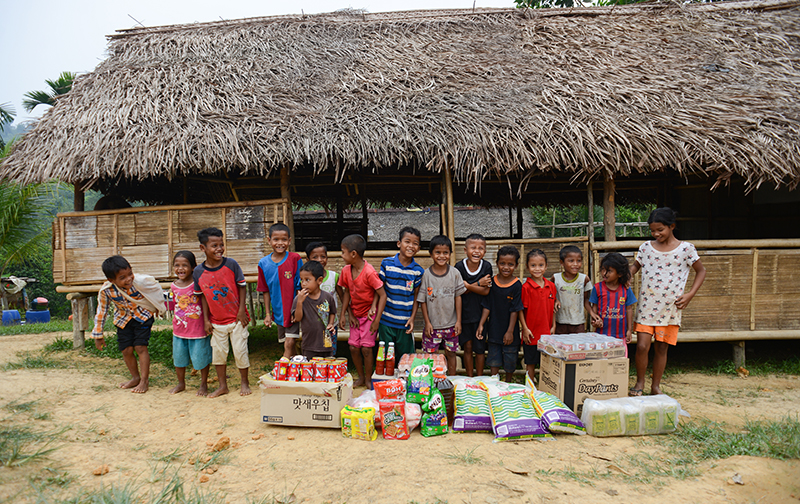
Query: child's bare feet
[[142, 387], [220, 391], [245, 389], [202, 391], [180, 387], [130, 383], [655, 390], [359, 383]]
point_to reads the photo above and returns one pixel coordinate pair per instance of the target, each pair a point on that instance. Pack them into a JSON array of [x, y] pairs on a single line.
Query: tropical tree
[[6, 117], [58, 87]]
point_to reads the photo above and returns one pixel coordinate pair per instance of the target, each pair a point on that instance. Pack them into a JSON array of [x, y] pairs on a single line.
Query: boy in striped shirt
[[401, 277], [612, 300]]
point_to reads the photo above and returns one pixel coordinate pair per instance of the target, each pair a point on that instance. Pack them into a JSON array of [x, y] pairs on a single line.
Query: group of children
[[462, 306]]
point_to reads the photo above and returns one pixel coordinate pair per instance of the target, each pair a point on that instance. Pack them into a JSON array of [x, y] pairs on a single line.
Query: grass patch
[[21, 445], [59, 345], [466, 457], [763, 438], [55, 325], [30, 361]]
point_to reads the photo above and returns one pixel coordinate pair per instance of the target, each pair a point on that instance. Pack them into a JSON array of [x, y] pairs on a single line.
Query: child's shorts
[[504, 356], [310, 354], [570, 328], [666, 334], [468, 333], [403, 343], [361, 336], [196, 350], [293, 331], [447, 337], [134, 334], [532, 355], [238, 342]]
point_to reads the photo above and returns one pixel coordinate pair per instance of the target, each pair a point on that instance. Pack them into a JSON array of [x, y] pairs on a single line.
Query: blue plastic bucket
[[10, 317], [37, 317]]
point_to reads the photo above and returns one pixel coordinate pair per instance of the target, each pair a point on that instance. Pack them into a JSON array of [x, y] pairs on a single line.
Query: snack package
[[390, 389], [472, 412], [393, 420], [359, 423], [420, 381], [408, 359], [413, 415], [631, 416], [434, 420], [555, 415], [513, 415]]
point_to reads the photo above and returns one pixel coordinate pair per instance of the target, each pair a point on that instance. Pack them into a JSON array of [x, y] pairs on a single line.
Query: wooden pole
[[753, 286], [609, 219], [286, 194], [590, 216], [78, 199], [451, 225]]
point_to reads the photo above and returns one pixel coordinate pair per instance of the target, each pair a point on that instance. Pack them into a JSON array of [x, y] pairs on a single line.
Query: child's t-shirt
[[502, 301], [439, 294], [282, 281], [664, 276], [220, 286], [362, 289], [124, 311], [329, 285], [315, 319], [470, 301], [400, 282], [187, 321], [611, 306], [571, 295], [539, 303]]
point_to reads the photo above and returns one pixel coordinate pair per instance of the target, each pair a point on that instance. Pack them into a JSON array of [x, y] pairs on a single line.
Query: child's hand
[[330, 327], [428, 329], [302, 294], [342, 323], [556, 306], [629, 336], [527, 337], [100, 343], [458, 328], [683, 301], [485, 281], [208, 327], [410, 326], [372, 311], [353, 320], [479, 332], [597, 321], [508, 338], [243, 318], [268, 319], [373, 328]]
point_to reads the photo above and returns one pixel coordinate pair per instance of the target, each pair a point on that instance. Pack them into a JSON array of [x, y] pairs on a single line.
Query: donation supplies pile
[[632, 416], [318, 369]]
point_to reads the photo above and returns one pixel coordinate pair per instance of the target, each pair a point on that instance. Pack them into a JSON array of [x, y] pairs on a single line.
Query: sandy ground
[[138, 436]]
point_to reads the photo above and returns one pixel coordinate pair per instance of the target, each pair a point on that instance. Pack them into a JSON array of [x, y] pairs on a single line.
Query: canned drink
[[293, 373], [320, 371], [306, 372], [283, 369], [337, 370]]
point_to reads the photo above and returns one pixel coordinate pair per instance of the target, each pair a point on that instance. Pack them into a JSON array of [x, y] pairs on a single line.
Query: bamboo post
[[80, 318], [451, 225], [251, 304], [62, 223], [590, 216], [78, 198], [753, 284], [609, 219], [286, 194], [170, 246], [224, 227], [738, 354], [116, 234]]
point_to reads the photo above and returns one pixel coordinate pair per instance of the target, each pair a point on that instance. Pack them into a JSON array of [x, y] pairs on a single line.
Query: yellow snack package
[[359, 423]]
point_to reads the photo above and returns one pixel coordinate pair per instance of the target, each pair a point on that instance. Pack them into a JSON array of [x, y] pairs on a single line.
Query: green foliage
[[55, 325], [24, 224], [763, 438], [57, 87], [546, 216], [6, 117]]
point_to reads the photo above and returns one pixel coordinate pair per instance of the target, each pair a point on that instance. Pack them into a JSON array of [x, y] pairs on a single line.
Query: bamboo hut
[[693, 106]]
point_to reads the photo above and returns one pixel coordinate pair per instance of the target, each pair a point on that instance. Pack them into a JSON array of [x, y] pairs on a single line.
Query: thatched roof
[[708, 89]]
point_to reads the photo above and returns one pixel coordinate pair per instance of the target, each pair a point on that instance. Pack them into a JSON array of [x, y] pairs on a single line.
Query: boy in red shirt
[[538, 301]]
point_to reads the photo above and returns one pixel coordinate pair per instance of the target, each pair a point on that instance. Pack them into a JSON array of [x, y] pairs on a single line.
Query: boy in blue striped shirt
[[401, 277]]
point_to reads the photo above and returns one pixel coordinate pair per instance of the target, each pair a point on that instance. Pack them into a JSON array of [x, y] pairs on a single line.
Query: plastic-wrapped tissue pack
[[631, 416]]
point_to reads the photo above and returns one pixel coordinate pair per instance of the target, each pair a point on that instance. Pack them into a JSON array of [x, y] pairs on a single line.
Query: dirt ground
[[144, 438]]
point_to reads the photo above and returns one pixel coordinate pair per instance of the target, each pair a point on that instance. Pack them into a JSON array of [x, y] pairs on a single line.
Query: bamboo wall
[[148, 237]]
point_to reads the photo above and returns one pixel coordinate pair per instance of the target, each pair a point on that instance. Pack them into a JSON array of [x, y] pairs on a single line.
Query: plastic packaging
[[420, 381], [445, 386], [359, 423], [582, 346], [555, 415], [513, 414], [631, 416], [390, 390], [472, 412], [407, 360], [434, 420], [393, 420]]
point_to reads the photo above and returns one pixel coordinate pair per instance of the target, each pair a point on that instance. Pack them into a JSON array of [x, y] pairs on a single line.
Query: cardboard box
[[304, 404], [575, 381]]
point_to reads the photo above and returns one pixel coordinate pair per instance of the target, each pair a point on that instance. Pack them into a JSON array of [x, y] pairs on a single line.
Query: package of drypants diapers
[[631, 416]]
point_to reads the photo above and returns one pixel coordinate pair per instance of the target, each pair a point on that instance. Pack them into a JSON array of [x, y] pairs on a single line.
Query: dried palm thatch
[[709, 89]]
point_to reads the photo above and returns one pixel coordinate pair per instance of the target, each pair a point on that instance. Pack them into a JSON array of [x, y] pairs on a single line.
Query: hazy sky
[[42, 38]]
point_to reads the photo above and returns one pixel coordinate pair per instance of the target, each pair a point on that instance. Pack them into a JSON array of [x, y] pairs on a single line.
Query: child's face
[[506, 264], [408, 245], [475, 250], [572, 263], [214, 248], [610, 275], [182, 268], [124, 278], [537, 265], [308, 282], [279, 241], [349, 256], [661, 232], [441, 255], [320, 255]]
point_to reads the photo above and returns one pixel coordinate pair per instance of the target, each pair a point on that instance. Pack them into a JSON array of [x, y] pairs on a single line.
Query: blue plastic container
[[37, 317], [11, 317]]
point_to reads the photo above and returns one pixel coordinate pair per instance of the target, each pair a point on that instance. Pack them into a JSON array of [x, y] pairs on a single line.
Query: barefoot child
[[220, 281], [315, 311], [501, 307], [317, 251], [189, 338], [401, 276], [279, 282], [477, 276], [361, 285], [538, 301], [665, 262], [572, 288], [612, 300], [440, 299], [135, 299]]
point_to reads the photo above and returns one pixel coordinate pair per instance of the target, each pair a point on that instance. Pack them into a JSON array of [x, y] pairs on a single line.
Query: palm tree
[[58, 87], [6, 117]]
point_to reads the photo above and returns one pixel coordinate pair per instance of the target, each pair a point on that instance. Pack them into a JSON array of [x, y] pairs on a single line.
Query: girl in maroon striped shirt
[[612, 300]]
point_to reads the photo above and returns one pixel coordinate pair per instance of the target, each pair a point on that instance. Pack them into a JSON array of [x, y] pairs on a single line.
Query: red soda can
[[283, 369], [293, 374], [306, 372], [320, 371]]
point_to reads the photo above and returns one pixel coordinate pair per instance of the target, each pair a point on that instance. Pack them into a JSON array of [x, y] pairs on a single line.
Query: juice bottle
[[390, 360], [380, 361], [447, 389]]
